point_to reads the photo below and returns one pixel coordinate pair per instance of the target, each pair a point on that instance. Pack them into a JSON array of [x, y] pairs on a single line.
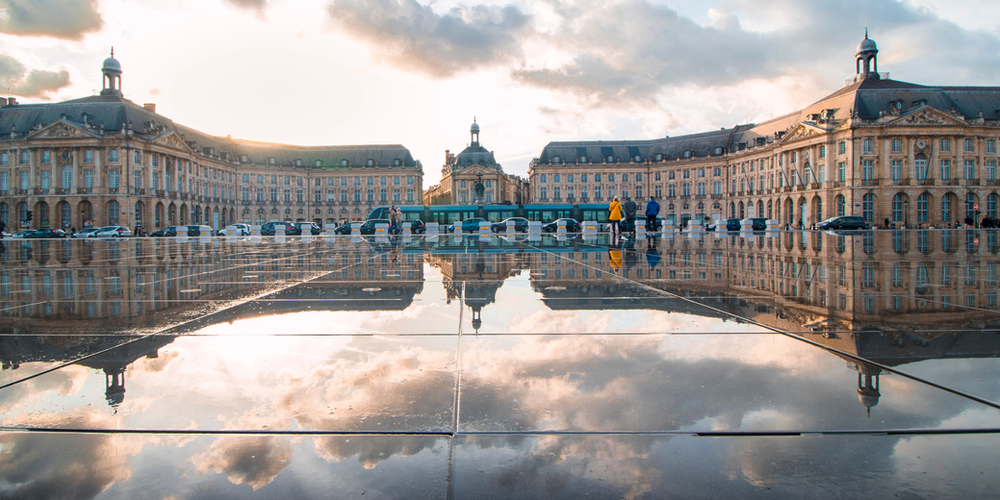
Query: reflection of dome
[[869, 400]]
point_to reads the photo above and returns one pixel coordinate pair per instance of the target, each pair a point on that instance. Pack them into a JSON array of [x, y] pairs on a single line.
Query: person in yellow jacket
[[616, 216]]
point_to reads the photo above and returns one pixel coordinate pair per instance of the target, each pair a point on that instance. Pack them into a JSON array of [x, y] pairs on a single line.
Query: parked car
[[46, 233], [22, 233], [87, 232], [417, 226], [113, 232], [726, 224], [843, 222], [520, 225], [344, 228], [758, 223], [195, 230], [572, 226], [167, 231], [238, 229], [368, 226], [311, 227], [470, 225], [290, 229]]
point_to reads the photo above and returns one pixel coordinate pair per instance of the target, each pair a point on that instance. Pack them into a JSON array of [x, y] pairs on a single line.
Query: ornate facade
[[461, 174], [105, 160], [919, 156]]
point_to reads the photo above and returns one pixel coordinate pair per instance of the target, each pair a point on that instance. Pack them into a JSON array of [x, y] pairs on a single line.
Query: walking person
[[397, 220], [616, 216], [629, 207], [652, 210], [392, 220], [3, 227]]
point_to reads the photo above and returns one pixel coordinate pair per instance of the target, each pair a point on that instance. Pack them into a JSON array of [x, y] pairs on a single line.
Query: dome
[[475, 127], [475, 155], [867, 45], [112, 64]]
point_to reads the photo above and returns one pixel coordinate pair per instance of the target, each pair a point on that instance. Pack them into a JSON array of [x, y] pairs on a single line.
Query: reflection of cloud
[[254, 460], [67, 19], [35, 83], [65, 466], [156, 364], [257, 5]]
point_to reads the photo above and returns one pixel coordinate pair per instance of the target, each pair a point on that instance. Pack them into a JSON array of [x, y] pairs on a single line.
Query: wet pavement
[[790, 364]]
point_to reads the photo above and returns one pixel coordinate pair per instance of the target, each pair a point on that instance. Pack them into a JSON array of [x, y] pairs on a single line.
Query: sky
[[416, 73]]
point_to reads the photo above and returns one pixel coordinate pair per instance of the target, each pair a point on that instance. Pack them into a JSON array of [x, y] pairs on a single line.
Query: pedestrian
[[397, 220], [652, 210], [886, 226], [392, 220], [3, 227], [629, 207], [616, 216]]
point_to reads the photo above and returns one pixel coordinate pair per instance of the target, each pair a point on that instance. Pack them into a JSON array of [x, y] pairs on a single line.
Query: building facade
[[105, 160], [462, 173], [917, 156]]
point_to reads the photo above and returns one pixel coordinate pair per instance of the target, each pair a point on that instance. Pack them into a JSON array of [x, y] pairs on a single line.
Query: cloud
[[257, 5], [412, 36], [66, 19], [34, 83]]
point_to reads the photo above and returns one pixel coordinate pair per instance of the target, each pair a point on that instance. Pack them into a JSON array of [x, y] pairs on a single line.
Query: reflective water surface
[[831, 365]]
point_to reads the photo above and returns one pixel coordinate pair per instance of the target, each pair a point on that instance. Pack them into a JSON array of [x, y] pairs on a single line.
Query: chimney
[[12, 101], [3, 101], [149, 107]]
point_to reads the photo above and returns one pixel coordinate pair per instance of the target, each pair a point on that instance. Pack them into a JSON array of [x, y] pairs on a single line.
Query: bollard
[[279, 230], [458, 228], [484, 228], [406, 229], [329, 229], [355, 229], [511, 228], [432, 229], [561, 227], [381, 230], [640, 227], [589, 227]]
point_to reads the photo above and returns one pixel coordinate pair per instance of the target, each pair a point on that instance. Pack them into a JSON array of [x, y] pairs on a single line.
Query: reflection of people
[[616, 216], [615, 257], [652, 257]]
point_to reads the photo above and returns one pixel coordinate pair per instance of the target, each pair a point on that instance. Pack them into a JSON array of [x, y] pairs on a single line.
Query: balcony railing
[[84, 190], [113, 190], [993, 182], [139, 191], [40, 191], [245, 202], [869, 182], [161, 193], [972, 182]]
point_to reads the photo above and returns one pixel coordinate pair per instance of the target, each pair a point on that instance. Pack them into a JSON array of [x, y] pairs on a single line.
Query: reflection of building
[[479, 275], [878, 148], [105, 160], [474, 177]]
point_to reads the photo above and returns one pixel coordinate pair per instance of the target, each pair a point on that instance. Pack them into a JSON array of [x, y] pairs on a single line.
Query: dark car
[[368, 227], [520, 225], [658, 224], [727, 224], [468, 225], [45, 233], [572, 226], [758, 223], [843, 222], [417, 226], [312, 227], [290, 229], [167, 231]]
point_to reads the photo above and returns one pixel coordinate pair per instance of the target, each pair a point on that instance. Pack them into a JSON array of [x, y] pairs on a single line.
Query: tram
[[544, 213]]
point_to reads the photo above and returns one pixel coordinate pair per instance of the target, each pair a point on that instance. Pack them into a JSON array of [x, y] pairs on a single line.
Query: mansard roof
[[703, 144], [111, 115]]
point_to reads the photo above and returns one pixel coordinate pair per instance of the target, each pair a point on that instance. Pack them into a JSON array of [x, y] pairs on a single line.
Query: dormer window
[[345, 163], [319, 163], [396, 162], [298, 163], [370, 162], [271, 161], [687, 154], [718, 150], [637, 159], [659, 156], [556, 159], [583, 159]]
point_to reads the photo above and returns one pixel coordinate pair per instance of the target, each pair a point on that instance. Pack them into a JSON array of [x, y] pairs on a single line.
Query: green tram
[[448, 214]]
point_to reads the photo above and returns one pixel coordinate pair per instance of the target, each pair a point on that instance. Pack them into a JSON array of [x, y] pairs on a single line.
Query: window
[[46, 157], [597, 177], [921, 165], [922, 205], [137, 158], [945, 144], [656, 176], [67, 177], [154, 160], [968, 146], [970, 170], [991, 146], [868, 146], [946, 215], [841, 205], [868, 207], [991, 170], [555, 178], [543, 178], [945, 169], [897, 145], [841, 171], [717, 188], [842, 147], [583, 177], [970, 203], [991, 205], [46, 180], [624, 177], [543, 193], [867, 170], [896, 170], [4, 161], [794, 156], [822, 151]]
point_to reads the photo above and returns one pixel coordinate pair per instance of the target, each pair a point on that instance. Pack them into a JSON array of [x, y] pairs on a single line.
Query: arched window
[[113, 210], [970, 203], [819, 208], [920, 163], [897, 208], [868, 207], [841, 205], [923, 202]]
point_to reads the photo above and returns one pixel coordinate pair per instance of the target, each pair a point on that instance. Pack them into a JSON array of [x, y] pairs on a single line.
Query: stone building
[[461, 173], [105, 160], [916, 155]]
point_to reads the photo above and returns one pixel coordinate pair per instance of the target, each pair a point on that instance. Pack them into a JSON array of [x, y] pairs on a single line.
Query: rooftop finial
[[113, 47]]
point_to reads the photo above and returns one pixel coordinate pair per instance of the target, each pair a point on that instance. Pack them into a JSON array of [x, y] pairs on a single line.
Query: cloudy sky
[[416, 72]]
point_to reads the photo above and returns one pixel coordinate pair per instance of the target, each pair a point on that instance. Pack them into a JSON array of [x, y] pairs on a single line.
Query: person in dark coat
[[629, 207], [652, 210]]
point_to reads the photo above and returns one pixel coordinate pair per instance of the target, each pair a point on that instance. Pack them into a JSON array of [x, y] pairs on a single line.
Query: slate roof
[[868, 99], [109, 114], [475, 155]]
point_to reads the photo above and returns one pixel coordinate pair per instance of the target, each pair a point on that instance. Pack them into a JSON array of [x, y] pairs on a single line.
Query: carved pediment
[[926, 115], [801, 131], [61, 130], [172, 140]]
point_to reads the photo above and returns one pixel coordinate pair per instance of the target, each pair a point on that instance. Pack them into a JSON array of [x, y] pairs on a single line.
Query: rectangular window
[[137, 158], [841, 171], [945, 144], [543, 178], [46, 179], [945, 169], [991, 146], [23, 180], [842, 147], [46, 157], [822, 151], [656, 176], [597, 177], [970, 170], [555, 178], [113, 179], [991, 170], [969, 146], [867, 170], [88, 178], [717, 188], [543, 193], [868, 146], [4, 181], [897, 170], [897, 145]]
